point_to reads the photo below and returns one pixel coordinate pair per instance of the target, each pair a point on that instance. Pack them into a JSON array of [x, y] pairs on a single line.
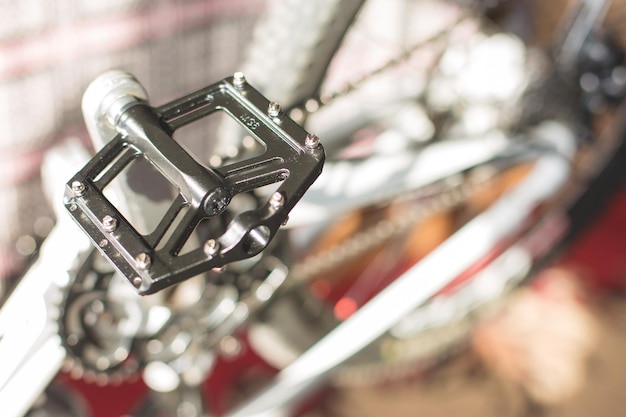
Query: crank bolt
[[211, 247], [277, 200], [109, 223], [273, 109], [217, 201], [137, 282], [78, 188], [143, 261], [239, 80], [311, 141]]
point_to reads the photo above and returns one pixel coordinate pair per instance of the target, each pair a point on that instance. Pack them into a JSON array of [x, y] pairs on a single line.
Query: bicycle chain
[[300, 112], [314, 104], [453, 196]]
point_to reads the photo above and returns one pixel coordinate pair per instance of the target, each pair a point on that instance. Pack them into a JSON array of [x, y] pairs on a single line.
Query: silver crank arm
[[29, 339]]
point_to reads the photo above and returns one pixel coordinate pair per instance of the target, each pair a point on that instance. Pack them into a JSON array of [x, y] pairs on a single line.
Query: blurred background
[[552, 348]]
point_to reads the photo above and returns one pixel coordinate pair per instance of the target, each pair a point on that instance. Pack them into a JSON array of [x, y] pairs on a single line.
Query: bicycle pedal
[[153, 261]]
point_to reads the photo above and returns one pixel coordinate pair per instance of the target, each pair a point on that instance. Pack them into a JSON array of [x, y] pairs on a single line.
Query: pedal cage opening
[[153, 261]]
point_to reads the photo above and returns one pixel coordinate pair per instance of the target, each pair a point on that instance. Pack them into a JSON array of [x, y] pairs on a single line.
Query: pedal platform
[[153, 261]]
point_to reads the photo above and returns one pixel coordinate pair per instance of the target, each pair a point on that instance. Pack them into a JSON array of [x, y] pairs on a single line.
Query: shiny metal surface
[[154, 261]]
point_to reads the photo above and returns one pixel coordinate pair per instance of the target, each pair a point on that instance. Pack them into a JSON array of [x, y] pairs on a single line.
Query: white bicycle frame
[[28, 319]]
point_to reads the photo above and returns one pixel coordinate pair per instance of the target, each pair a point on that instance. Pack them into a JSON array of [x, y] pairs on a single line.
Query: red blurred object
[[599, 254]]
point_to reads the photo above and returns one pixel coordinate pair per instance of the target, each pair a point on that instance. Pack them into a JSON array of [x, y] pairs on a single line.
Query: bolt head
[[109, 223], [211, 247], [277, 200], [217, 201], [78, 188], [137, 282], [311, 141], [239, 80], [143, 261], [273, 109]]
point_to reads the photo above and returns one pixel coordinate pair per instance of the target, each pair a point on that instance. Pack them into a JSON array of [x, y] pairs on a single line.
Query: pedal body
[[292, 158]]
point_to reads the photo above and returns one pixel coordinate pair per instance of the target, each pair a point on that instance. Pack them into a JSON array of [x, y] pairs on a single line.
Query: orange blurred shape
[[345, 307]]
